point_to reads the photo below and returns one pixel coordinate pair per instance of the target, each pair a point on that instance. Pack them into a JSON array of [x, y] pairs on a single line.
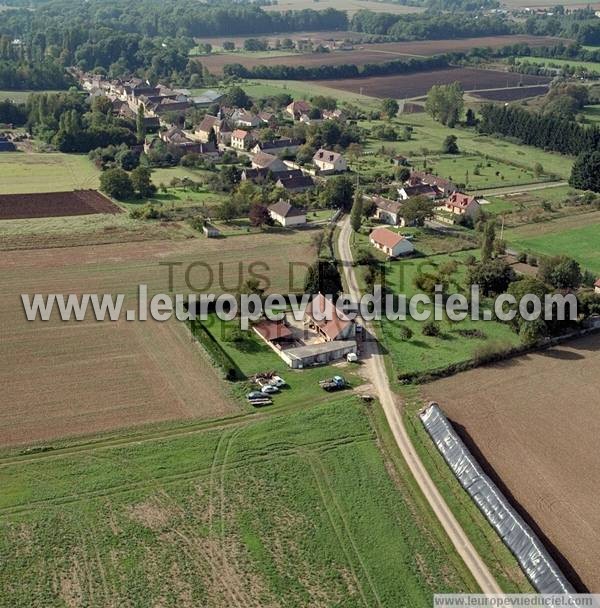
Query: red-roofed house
[[241, 140], [322, 315], [390, 242], [461, 204]]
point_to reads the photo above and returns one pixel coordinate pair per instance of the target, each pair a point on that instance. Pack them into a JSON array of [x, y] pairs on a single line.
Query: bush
[[405, 332], [522, 257], [431, 329], [532, 260]]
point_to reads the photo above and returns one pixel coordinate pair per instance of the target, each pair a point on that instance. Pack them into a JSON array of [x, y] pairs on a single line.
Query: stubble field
[[533, 422]]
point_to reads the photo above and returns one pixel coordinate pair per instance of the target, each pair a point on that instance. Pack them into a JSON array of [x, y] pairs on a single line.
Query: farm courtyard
[[533, 423]]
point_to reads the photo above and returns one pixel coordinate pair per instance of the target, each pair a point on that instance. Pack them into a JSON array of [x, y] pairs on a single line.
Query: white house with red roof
[[390, 242], [241, 140], [460, 204], [322, 316]]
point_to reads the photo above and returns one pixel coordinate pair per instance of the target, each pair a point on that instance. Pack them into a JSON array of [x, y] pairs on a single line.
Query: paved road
[[375, 369], [519, 189]]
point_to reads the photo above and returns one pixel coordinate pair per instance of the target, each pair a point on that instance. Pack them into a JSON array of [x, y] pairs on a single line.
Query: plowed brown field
[[407, 86], [54, 204], [534, 424], [75, 378]]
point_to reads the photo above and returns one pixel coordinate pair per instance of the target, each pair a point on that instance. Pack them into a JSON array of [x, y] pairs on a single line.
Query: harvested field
[[377, 53], [408, 86], [513, 94], [73, 378], [55, 204], [533, 423]]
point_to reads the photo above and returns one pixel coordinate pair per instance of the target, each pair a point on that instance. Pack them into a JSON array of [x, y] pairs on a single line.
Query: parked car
[[255, 395], [336, 383], [268, 389], [278, 381]]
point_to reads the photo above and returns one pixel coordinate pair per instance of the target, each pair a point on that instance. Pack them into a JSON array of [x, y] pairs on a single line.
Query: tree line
[[430, 25], [547, 131], [325, 72]]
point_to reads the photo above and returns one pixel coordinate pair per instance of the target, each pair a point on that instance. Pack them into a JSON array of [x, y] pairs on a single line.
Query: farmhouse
[[281, 147], [262, 160], [388, 211], [284, 213], [209, 123], [244, 118], [460, 204], [329, 162], [240, 139], [444, 186], [322, 316], [390, 242], [297, 108], [295, 181], [406, 192]]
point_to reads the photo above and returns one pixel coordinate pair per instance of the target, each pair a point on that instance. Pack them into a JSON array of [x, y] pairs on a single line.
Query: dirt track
[[536, 422], [374, 368]]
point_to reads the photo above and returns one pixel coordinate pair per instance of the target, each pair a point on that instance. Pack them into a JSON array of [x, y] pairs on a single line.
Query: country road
[[519, 189], [374, 367]]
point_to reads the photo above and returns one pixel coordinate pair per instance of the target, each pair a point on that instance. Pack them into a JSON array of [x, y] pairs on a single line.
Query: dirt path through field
[[374, 365]]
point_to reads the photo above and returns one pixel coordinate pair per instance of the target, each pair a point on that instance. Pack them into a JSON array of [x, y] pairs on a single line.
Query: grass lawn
[[428, 136], [477, 172], [253, 356], [296, 510], [22, 172], [425, 353], [575, 236], [426, 241]]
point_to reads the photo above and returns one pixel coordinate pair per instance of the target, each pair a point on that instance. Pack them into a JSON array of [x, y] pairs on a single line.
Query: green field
[[576, 236], [428, 136], [478, 172], [590, 66], [22, 172], [422, 353], [21, 96], [295, 510]]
